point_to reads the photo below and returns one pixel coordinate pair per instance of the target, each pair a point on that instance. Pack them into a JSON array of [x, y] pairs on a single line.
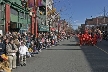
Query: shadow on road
[[97, 59], [72, 41], [63, 49], [68, 45]]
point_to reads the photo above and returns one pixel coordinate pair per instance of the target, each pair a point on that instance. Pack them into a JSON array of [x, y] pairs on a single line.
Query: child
[[23, 50], [30, 54], [35, 50]]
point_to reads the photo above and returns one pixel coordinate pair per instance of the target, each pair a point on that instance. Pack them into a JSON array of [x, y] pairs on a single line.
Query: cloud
[[75, 25], [76, 21]]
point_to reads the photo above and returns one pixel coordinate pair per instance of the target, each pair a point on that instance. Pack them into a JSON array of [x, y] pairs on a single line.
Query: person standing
[[80, 36], [2, 49], [23, 50], [11, 50], [16, 41], [95, 37]]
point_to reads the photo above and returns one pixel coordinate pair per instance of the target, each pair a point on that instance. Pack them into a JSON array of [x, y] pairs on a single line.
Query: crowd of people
[[89, 37], [17, 47]]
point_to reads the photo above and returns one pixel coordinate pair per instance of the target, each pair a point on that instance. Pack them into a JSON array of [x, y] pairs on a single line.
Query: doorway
[[13, 27]]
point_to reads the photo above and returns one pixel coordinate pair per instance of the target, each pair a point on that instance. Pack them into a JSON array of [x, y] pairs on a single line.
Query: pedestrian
[[80, 39], [11, 50], [95, 38], [17, 43], [2, 50]]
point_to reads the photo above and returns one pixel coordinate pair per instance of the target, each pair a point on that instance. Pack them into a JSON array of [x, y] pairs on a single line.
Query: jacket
[[9, 50], [23, 50], [2, 48]]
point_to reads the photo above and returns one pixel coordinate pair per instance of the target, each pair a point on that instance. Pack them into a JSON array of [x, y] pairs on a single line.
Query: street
[[69, 57]]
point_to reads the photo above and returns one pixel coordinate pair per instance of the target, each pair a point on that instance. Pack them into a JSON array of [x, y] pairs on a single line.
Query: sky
[[76, 11]]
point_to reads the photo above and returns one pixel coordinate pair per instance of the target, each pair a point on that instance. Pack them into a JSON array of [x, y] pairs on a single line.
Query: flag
[[31, 3], [38, 3]]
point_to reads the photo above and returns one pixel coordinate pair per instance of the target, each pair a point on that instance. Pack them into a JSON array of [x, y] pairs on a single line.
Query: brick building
[[100, 22]]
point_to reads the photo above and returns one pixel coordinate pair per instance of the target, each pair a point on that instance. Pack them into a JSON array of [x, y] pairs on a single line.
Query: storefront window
[[29, 19], [21, 14], [1, 14], [26, 16], [13, 11]]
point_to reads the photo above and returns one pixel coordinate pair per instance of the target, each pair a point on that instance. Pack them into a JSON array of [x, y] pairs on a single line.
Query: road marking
[[101, 49]]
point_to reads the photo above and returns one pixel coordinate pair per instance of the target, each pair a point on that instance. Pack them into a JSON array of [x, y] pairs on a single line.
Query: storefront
[[13, 16], [2, 18]]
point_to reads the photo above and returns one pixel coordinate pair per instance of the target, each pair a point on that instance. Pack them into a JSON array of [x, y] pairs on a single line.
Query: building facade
[[100, 22], [53, 17], [41, 16], [14, 17]]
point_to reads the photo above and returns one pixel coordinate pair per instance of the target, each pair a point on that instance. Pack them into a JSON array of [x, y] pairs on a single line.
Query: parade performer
[[99, 35], [90, 39], [85, 37], [80, 38], [95, 37]]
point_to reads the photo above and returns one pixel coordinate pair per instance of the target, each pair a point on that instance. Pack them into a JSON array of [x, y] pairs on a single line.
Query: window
[[21, 14], [26, 16], [13, 11], [0, 11], [29, 19], [1, 14]]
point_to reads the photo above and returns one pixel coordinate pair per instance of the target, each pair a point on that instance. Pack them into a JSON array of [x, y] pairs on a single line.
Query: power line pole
[[104, 12]]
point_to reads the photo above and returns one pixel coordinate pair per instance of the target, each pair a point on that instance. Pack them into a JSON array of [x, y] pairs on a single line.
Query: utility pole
[[104, 15], [104, 12]]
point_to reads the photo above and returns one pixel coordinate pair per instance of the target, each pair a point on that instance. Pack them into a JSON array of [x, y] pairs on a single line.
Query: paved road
[[68, 57]]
